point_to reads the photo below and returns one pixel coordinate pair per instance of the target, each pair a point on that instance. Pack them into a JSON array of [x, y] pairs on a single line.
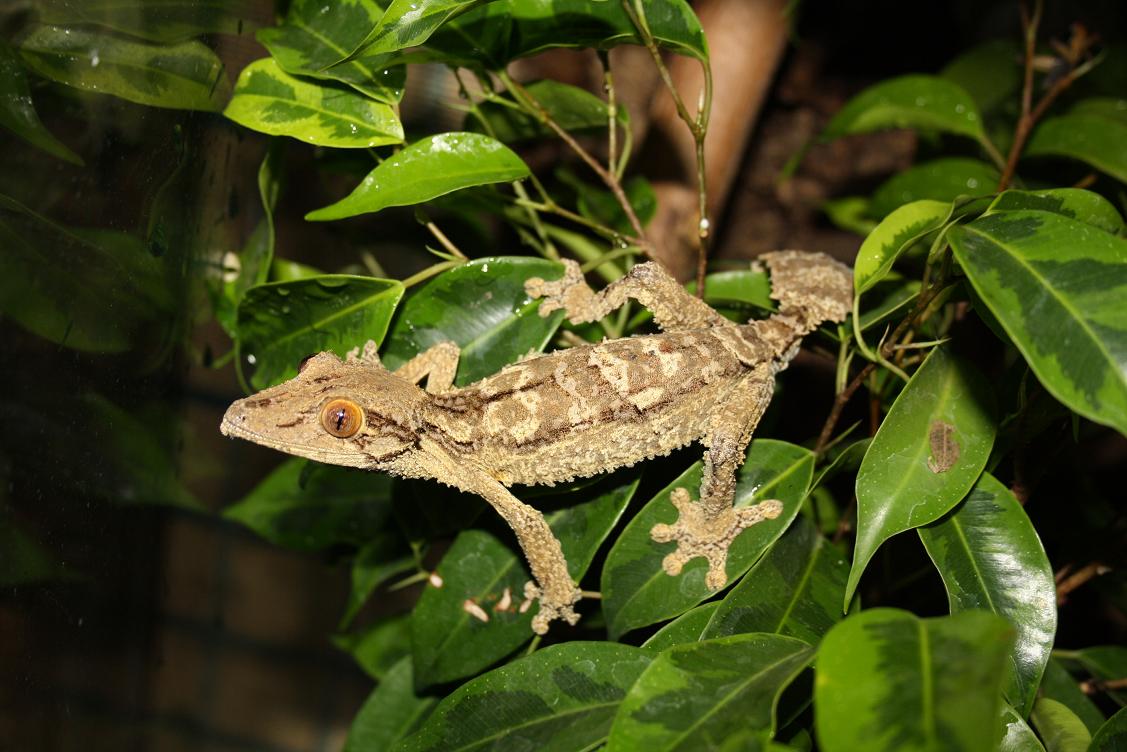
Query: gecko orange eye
[[342, 418]]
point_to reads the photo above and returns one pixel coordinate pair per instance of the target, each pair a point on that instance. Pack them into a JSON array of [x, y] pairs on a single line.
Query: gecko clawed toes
[[699, 533], [572, 413], [550, 608]]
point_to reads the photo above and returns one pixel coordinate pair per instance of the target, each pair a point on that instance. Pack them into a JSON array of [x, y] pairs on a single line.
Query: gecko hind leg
[[707, 527]]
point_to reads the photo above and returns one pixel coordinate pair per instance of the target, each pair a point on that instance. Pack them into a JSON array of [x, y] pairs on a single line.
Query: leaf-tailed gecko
[[570, 413]]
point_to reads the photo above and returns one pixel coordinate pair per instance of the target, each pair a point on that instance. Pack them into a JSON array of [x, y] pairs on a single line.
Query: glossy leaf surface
[[887, 680], [637, 591], [316, 36], [926, 455], [184, 76], [706, 695], [307, 506], [1059, 727], [281, 323], [1083, 206], [688, 627], [409, 23], [269, 100], [1056, 287], [895, 234], [500, 32], [1016, 734], [429, 168], [1059, 685], [450, 640], [483, 308], [17, 111], [1112, 736], [795, 590], [154, 20], [920, 102], [559, 699], [938, 180], [390, 713], [990, 557], [1098, 141]]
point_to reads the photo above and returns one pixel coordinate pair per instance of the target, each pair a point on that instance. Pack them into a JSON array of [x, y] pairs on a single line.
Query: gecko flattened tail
[[810, 285]]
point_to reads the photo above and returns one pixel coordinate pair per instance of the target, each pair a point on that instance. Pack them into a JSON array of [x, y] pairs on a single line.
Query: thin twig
[[1030, 113], [1095, 686], [698, 126], [612, 113], [609, 179], [1078, 578], [444, 241]]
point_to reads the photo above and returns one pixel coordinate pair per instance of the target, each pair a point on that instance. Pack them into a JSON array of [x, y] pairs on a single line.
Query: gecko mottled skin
[[570, 413]]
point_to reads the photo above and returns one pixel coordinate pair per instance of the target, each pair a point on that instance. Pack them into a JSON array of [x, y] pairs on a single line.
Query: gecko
[[570, 413]]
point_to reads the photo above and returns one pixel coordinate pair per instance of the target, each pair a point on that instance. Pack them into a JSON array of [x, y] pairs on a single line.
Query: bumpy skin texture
[[571, 413]]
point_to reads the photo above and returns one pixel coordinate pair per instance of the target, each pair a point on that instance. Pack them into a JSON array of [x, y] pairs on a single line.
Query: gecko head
[[350, 413]]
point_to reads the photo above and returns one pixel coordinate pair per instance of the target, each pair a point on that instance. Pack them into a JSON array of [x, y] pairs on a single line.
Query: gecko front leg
[[672, 307], [438, 364], [707, 527]]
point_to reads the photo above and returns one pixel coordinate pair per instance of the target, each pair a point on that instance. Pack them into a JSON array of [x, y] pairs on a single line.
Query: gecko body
[[569, 413]]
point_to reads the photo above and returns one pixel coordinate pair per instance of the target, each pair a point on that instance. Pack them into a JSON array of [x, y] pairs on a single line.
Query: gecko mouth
[[233, 427]]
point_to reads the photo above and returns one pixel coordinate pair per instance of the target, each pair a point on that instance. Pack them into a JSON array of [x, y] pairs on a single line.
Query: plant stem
[[432, 270], [1078, 578], [698, 126], [444, 241], [609, 179]]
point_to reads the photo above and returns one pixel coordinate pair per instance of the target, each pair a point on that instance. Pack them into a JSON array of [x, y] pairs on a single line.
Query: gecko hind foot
[[550, 608], [698, 534]]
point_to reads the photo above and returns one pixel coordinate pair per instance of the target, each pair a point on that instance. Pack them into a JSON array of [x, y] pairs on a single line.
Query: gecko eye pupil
[[342, 418]]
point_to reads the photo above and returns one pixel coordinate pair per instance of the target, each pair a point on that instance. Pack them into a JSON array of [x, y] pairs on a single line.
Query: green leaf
[[69, 308], [269, 100], [887, 680], [701, 696], [989, 73], [924, 103], [558, 699], [1111, 108], [390, 713], [1055, 285], [1083, 206], [637, 591], [483, 308], [500, 32], [1112, 736], [990, 557], [307, 506], [380, 646], [409, 23], [378, 561], [1092, 139], [1059, 685], [280, 323], [939, 180], [1105, 662], [1016, 734], [887, 299], [429, 168], [927, 454], [154, 20], [17, 111], [602, 207], [315, 37], [895, 234], [252, 263], [795, 590], [184, 76], [688, 627], [1059, 727], [572, 108], [850, 213], [450, 640]]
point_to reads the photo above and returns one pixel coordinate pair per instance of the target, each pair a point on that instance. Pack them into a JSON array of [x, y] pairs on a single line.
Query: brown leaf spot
[[944, 447]]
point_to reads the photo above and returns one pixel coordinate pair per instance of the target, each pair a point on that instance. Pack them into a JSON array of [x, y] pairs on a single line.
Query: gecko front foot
[[699, 534], [550, 607], [569, 292]]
